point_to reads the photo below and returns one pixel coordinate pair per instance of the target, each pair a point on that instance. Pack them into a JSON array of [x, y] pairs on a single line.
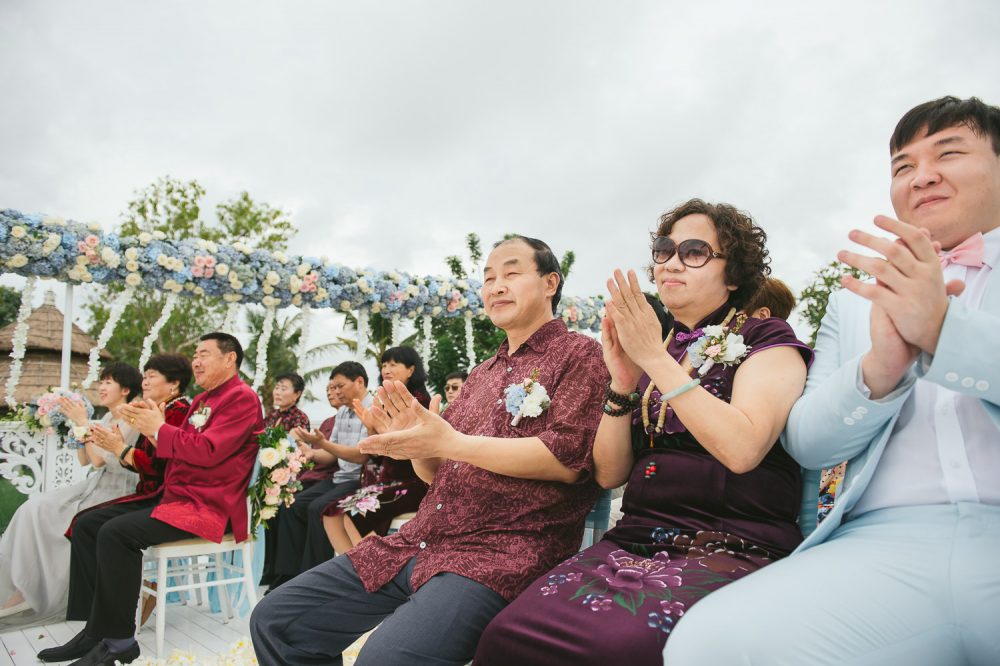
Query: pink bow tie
[[968, 253]]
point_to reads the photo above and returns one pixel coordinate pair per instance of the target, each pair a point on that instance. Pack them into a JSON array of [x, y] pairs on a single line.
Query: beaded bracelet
[[631, 400], [620, 411]]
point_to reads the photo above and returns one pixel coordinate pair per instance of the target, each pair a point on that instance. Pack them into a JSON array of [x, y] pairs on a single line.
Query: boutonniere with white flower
[[200, 418], [717, 345], [527, 398]]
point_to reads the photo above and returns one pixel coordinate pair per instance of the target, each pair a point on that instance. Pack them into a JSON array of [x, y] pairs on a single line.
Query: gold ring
[[131, 420]]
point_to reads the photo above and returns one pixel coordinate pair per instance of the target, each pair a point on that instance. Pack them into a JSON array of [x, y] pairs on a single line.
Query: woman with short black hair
[[34, 553]]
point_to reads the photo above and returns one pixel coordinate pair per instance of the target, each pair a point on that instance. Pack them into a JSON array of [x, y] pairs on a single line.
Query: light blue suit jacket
[[833, 421]]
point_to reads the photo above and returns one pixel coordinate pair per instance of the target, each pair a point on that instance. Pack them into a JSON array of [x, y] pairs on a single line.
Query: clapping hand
[[110, 440], [73, 410], [312, 437], [410, 430], [633, 332], [145, 416]]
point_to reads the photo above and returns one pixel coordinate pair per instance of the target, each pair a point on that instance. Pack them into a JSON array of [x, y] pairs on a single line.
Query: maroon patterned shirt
[[501, 531], [287, 419]]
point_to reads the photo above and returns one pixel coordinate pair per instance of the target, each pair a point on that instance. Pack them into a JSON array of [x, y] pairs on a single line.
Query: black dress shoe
[[78, 646], [102, 656]]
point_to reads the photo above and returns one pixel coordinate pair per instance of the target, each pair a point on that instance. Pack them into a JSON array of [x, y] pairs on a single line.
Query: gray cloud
[[389, 130]]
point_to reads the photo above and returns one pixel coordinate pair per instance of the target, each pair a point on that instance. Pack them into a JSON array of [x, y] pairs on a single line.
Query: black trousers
[[106, 565], [301, 540]]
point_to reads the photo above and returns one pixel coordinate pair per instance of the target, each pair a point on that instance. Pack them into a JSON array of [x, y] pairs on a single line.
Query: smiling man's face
[[949, 183]]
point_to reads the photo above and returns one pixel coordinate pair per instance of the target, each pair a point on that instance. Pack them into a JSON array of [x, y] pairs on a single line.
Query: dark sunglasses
[[693, 253]]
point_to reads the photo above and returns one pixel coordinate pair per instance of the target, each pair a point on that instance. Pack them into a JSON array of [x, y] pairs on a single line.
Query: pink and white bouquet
[[280, 463], [44, 413]]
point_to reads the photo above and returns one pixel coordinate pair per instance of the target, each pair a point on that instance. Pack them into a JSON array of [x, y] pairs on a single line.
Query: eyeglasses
[[693, 252]]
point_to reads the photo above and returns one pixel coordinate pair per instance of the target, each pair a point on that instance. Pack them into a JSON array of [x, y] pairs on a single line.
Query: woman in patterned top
[[288, 389], [711, 497]]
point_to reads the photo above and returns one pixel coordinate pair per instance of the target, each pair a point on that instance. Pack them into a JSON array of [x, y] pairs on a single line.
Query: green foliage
[[173, 207], [10, 303], [10, 499], [814, 298], [448, 353]]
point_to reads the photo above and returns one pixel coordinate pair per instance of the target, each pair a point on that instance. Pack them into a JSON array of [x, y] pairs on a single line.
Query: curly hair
[[743, 243]]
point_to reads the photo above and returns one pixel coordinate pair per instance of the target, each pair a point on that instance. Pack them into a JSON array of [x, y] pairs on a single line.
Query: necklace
[[647, 394]]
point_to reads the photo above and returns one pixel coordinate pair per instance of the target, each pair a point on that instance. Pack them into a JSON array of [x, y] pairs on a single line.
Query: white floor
[[189, 629]]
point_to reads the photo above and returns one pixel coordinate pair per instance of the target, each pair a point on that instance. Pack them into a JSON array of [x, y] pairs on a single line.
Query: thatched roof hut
[[42, 362]]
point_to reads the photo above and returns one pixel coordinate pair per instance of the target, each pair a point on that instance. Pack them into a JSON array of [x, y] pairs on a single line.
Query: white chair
[[400, 520], [182, 566]]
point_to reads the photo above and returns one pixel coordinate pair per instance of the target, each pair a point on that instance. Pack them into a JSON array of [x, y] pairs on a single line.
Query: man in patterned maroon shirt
[[508, 496]]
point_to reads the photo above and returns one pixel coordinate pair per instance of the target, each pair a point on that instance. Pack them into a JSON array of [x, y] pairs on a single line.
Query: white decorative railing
[[36, 462]]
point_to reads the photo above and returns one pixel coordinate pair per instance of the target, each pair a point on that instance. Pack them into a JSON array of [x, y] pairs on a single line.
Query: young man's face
[[949, 183], [513, 292]]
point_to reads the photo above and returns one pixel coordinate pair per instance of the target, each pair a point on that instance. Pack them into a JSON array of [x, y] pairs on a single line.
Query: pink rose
[[209, 261], [199, 261], [209, 272], [197, 271], [273, 491], [281, 475], [295, 466], [82, 247], [713, 351], [92, 240]]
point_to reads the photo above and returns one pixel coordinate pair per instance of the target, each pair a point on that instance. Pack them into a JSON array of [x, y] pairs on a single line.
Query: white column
[[67, 339]]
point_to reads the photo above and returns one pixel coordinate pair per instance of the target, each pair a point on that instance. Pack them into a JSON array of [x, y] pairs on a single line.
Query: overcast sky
[[389, 130]]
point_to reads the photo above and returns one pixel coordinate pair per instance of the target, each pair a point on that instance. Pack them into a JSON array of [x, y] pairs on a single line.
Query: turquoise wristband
[[680, 390]]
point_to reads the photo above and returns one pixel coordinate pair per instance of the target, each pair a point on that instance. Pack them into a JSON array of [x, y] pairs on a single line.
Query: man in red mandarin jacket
[[204, 494]]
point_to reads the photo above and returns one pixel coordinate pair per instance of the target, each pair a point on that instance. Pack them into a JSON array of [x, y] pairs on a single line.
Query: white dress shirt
[[944, 447]]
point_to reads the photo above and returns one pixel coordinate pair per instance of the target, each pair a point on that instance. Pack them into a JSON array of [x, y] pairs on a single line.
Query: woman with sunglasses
[[691, 423]]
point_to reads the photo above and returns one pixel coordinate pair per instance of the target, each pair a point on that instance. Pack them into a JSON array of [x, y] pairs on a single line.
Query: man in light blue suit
[[906, 387]]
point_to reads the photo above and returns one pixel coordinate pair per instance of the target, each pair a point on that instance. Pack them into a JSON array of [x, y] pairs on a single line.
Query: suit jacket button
[[848, 420], [951, 377], [982, 385]]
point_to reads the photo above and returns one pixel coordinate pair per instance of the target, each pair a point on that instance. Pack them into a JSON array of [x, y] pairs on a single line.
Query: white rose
[[222, 269], [159, 235], [133, 280], [267, 289], [280, 256], [232, 298], [269, 301], [713, 331], [345, 305], [145, 237], [18, 232], [272, 277], [294, 284], [303, 269], [270, 457], [297, 299], [55, 221], [17, 261], [272, 500], [413, 290], [267, 513], [321, 294], [132, 265], [131, 254], [734, 347], [436, 311]]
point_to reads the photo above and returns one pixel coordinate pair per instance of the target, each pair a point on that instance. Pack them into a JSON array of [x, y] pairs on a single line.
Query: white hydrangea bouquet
[[717, 345], [280, 463], [527, 398]]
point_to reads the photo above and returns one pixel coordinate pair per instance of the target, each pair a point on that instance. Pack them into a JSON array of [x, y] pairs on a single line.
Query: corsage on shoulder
[[527, 398], [717, 345], [200, 418]]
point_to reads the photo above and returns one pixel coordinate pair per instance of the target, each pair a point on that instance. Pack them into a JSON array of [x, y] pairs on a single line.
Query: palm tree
[[282, 354]]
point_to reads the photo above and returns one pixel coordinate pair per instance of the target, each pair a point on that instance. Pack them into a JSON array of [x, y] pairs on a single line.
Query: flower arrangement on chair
[[280, 463], [45, 414]]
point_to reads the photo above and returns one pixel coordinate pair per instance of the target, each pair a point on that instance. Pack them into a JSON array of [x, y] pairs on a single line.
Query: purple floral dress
[[690, 527]]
